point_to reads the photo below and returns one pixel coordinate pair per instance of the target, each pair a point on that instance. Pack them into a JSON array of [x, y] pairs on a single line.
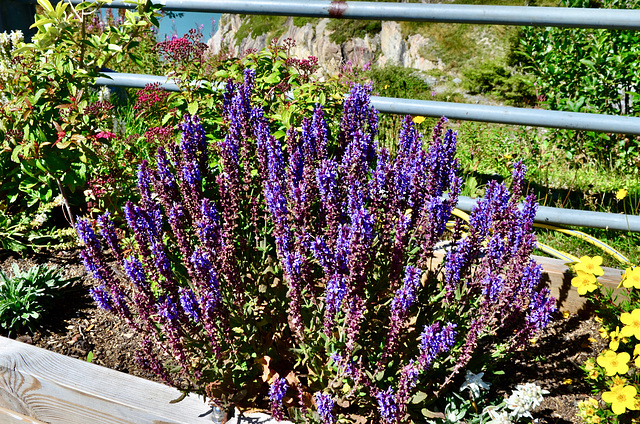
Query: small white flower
[[5, 41], [119, 126], [104, 94], [16, 38], [57, 201], [39, 219], [474, 383], [524, 399], [498, 417]]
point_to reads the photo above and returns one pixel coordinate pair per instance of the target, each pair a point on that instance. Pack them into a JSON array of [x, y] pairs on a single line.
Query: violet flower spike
[[325, 405], [277, 391]]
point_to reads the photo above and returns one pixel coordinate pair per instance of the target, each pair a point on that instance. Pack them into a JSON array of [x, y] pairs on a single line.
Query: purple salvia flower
[[95, 263], [334, 295], [135, 272], [404, 298], [277, 391], [168, 309], [492, 287], [165, 183], [519, 172], [434, 341], [143, 295], [191, 174], [89, 264], [189, 303], [206, 275], [108, 233], [170, 322], [406, 295], [193, 142], [144, 185], [387, 407], [541, 308], [178, 221], [209, 226], [102, 298], [87, 235], [408, 381], [324, 405]]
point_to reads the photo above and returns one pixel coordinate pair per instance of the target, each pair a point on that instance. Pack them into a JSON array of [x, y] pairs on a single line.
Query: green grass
[[257, 25]]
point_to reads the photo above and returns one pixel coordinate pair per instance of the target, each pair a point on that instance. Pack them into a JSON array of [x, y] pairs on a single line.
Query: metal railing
[[471, 14]]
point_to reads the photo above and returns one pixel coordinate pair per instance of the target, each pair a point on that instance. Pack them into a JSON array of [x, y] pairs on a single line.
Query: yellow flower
[[593, 374], [587, 409], [631, 278], [621, 194], [418, 119], [614, 363], [584, 282], [615, 339], [596, 419], [589, 364], [621, 398], [603, 333], [566, 314], [590, 265], [618, 381], [632, 324]]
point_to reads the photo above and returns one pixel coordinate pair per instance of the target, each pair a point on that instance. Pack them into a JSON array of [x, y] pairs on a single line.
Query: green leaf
[[192, 108], [418, 397], [46, 5], [272, 79]]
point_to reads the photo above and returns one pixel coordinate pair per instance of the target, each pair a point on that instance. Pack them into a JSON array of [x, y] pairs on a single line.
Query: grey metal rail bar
[[573, 217], [451, 13], [467, 112]]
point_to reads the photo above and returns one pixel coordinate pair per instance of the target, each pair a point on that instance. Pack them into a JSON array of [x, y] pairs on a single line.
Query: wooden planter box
[[39, 386]]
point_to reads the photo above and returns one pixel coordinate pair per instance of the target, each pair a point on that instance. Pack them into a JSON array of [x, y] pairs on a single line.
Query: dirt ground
[[79, 329]]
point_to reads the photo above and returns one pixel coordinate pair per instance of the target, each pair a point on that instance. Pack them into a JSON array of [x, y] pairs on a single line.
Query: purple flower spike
[[102, 298], [324, 404], [189, 303], [277, 390], [387, 406]]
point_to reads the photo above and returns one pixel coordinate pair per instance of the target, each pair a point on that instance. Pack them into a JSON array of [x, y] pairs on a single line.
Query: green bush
[[347, 29], [587, 70], [25, 297], [491, 77]]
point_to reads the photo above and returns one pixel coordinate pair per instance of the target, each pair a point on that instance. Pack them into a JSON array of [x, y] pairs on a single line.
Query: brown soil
[[79, 329]]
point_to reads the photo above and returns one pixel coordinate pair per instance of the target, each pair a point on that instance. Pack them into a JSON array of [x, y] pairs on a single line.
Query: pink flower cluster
[[150, 98], [185, 49]]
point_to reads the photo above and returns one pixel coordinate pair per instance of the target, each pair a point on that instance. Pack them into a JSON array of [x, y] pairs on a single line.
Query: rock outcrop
[[387, 47]]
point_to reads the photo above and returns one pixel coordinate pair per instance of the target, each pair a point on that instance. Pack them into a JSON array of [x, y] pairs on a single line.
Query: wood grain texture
[[8, 416], [53, 388]]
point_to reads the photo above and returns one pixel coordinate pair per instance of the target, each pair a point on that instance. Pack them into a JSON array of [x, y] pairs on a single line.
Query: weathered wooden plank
[[8, 416], [57, 389]]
